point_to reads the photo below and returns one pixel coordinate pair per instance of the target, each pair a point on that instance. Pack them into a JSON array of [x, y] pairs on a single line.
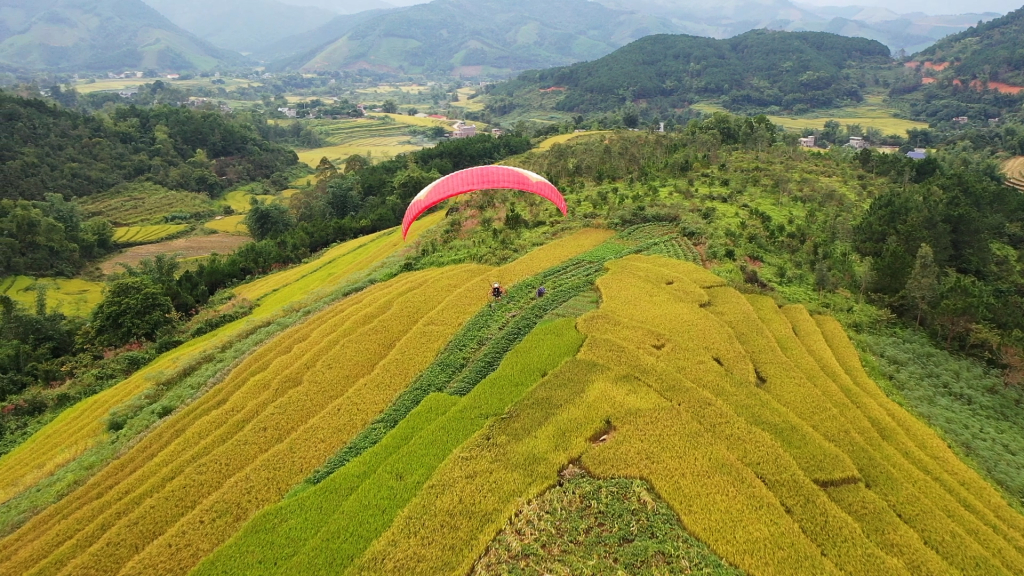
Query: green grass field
[[147, 234], [73, 297]]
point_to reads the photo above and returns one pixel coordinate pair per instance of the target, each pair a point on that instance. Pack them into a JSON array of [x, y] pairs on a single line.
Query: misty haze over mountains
[[251, 27], [471, 37]]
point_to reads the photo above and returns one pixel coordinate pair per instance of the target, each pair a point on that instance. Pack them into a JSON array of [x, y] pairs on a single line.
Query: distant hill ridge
[[79, 35], [472, 38], [791, 70]]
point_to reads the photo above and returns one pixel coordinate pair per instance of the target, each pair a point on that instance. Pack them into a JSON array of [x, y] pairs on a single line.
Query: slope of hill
[[241, 25], [763, 434], [791, 70], [989, 52], [75, 35], [472, 38]]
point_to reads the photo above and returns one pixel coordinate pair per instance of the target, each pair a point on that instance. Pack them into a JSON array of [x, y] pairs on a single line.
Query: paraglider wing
[[480, 178]]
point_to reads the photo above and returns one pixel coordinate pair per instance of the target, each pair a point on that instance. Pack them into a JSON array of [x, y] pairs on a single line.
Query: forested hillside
[[977, 73], [80, 35], [473, 38], [794, 71]]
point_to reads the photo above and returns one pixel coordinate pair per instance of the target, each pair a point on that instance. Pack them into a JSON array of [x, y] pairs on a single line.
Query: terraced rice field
[[82, 426], [1014, 171], [142, 204], [72, 296], [146, 234], [411, 421], [190, 485], [374, 138], [757, 426], [414, 121]]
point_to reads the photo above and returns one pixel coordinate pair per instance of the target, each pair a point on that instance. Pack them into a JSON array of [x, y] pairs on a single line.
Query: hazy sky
[[929, 7]]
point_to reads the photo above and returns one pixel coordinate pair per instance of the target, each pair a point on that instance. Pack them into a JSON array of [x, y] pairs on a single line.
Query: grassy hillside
[[75, 35], [476, 38], [143, 204], [788, 70]]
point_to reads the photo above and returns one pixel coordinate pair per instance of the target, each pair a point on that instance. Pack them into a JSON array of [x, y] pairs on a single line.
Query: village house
[[857, 143], [464, 130], [917, 154], [807, 142]]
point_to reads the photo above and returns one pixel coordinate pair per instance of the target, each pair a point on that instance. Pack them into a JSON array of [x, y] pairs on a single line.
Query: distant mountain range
[[474, 37], [460, 37], [78, 35]]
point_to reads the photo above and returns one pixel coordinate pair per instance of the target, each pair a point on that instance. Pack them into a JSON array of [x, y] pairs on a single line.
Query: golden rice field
[[117, 84], [142, 204], [193, 482], [414, 121], [146, 234], [872, 113], [72, 296], [755, 423]]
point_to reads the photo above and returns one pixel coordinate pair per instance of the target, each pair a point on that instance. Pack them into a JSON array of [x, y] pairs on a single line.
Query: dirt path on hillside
[[183, 247]]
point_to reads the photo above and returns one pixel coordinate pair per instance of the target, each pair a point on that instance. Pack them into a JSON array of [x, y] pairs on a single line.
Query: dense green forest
[[670, 72], [50, 155]]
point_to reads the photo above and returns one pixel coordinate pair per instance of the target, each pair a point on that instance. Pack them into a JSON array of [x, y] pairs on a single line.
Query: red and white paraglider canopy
[[480, 178]]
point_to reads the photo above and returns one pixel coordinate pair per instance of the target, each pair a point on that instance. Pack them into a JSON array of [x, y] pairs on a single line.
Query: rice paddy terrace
[[365, 421]]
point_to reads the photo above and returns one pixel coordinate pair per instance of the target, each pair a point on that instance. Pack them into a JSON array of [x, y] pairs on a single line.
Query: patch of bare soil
[[182, 248]]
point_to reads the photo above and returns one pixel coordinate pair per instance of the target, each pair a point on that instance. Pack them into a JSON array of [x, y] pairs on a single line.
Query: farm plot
[[146, 234], [71, 296], [140, 204], [872, 113], [373, 138], [757, 426], [182, 248], [563, 138], [201, 465]]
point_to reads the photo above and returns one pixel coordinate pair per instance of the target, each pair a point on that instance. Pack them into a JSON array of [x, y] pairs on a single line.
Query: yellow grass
[[563, 138], [71, 296], [229, 224], [871, 113], [385, 88]]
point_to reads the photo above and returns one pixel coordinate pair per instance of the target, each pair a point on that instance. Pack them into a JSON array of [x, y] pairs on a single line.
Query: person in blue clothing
[[541, 292]]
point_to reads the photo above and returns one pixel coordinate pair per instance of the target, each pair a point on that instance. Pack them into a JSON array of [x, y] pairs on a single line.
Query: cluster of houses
[[859, 143]]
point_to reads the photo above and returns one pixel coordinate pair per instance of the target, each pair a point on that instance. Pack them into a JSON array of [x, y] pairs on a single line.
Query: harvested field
[[190, 247], [1014, 171]]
